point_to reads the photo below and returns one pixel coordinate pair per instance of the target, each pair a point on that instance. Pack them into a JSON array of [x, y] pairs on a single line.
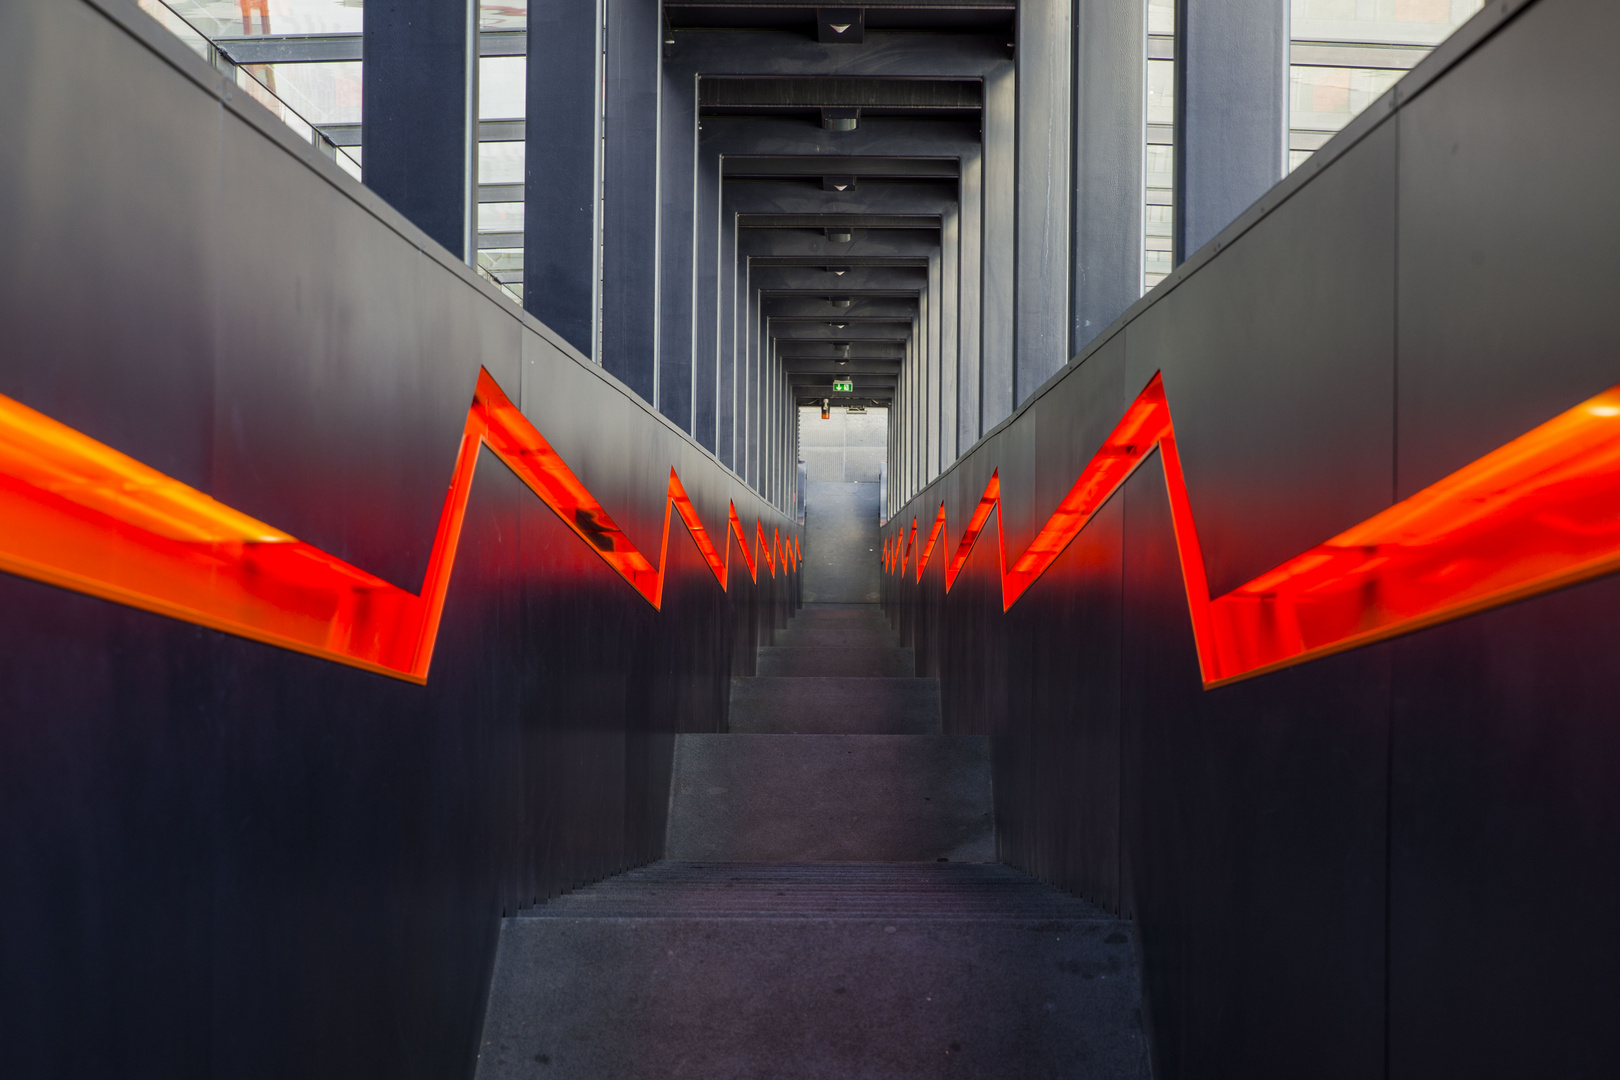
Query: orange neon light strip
[[78, 514], [1537, 514]]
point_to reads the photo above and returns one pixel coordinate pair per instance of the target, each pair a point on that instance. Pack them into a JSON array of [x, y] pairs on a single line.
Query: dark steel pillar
[[1231, 112], [416, 84], [1045, 76], [634, 57], [1106, 276], [998, 224], [560, 256]]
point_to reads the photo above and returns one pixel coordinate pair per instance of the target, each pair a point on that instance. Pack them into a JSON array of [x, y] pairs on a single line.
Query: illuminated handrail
[[78, 514], [1536, 514]]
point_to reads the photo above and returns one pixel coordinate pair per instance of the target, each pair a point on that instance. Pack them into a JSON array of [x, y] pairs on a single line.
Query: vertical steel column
[[950, 246], [998, 225], [1110, 54], [1231, 112], [1045, 56], [633, 57], [560, 253], [932, 351], [415, 85], [970, 197]]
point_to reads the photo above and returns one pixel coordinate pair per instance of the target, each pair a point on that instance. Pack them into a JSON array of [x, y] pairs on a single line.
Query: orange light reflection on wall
[[79, 514], [1539, 513]]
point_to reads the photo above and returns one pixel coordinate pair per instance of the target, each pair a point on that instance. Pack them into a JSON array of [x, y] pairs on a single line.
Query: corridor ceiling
[[840, 187]]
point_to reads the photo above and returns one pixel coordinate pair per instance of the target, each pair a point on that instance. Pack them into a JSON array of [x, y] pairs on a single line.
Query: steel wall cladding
[[218, 858], [1399, 861]]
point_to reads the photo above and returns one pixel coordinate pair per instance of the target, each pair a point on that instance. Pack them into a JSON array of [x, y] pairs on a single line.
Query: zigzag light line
[[78, 514], [1536, 514]]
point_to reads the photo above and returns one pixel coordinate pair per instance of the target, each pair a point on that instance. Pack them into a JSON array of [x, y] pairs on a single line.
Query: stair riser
[[858, 798], [834, 706], [805, 638], [848, 663]]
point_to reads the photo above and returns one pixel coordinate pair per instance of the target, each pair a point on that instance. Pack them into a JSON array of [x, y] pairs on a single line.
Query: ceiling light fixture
[[840, 119]]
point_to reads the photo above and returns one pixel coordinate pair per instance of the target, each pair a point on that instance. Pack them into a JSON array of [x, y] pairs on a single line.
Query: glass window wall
[[1347, 53], [1158, 163]]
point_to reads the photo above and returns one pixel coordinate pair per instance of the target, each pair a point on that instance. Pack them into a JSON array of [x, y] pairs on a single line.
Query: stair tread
[[820, 890], [807, 660]]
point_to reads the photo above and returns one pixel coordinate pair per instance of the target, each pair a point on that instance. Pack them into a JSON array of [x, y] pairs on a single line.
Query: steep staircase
[[828, 907]]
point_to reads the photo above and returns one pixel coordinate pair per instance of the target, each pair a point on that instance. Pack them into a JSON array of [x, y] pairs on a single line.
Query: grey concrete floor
[[828, 906], [842, 556]]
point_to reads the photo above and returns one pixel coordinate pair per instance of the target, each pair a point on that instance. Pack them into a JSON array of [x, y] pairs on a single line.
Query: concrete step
[[835, 706], [848, 613], [868, 663], [845, 798], [838, 637], [924, 972], [818, 890]]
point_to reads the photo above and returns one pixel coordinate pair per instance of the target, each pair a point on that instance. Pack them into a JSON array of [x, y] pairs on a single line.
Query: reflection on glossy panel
[[78, 514], [1539, 513]]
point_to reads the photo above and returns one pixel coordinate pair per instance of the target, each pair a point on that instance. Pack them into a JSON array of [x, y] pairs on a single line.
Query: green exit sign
[[843, 386]]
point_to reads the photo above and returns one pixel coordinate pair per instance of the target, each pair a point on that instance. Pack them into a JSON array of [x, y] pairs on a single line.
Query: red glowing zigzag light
[[79, 514], [1539, 513]]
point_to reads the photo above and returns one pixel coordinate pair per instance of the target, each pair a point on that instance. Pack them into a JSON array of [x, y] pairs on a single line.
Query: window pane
[[320, 93], [501, 87], [247, 18], [500, 163], [1161, 16], [1161, 91], [1390, 22]]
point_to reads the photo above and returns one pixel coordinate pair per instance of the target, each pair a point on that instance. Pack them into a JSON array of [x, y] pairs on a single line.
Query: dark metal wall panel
[[1504, 811], [158, 261], [301, 335], [1505, 804], [1481, 288], [217, 855], [1321, 861], [1278, 362], [1254, 834]]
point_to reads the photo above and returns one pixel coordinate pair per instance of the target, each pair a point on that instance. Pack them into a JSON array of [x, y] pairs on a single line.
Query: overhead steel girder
[[783, 306], [820, 222], [764, 245], [864, 168], [856, 97], [893, 349], [858, 279], [875, 15], [819, 330], [802, 365]]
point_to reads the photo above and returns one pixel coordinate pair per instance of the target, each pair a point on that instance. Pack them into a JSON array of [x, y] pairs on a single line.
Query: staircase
[[828, 907]]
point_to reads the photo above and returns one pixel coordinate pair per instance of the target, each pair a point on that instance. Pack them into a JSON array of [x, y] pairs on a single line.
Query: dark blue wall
[[1396, 862], [218, 858]]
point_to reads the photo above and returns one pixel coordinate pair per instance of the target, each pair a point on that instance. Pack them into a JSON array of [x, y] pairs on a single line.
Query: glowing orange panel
[[933, 537], [1539, 513], [78, 514]]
